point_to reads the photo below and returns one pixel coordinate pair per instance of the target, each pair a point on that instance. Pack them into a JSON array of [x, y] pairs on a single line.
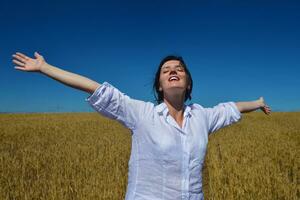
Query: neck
[[176, 108]]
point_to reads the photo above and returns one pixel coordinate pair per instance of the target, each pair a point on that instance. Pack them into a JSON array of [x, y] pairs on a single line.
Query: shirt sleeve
[[222, 115], [110, 102]]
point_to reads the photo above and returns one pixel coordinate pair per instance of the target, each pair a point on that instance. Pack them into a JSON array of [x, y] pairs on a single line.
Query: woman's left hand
[[263, 106]]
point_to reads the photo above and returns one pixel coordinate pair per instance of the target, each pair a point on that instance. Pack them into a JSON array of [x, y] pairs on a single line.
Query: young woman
[[169, 140]]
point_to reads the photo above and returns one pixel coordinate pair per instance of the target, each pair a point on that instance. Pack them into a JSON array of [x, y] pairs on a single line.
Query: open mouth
[[174, 78]]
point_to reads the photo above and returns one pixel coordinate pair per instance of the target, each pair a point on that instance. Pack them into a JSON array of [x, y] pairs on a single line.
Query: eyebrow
[[164, 67]]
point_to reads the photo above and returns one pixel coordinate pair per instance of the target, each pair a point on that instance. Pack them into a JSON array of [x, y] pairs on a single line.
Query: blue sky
[[235, 50]]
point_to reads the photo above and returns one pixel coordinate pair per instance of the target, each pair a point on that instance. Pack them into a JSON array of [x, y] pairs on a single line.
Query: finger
[[18, 63], [20, 68], [267, 107], [22, 55], [266, 110], [19, 58]]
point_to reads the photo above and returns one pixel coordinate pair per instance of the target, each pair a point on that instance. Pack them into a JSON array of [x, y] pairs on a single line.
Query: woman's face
[[173, 78]]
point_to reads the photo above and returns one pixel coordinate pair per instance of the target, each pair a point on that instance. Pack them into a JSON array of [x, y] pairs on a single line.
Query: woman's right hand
[[25, 63]]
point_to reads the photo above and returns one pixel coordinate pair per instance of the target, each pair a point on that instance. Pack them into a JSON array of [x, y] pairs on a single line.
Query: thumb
[[37, 55], [261, 99]]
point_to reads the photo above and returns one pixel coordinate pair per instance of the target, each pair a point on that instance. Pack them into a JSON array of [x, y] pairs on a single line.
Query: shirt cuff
[[236, 112], [93, 98]]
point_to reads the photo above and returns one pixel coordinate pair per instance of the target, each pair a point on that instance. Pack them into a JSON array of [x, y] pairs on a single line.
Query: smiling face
[[173, 78]]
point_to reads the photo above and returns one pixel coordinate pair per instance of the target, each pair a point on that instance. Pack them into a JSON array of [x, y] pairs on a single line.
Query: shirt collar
[[162, 109], [187, 111]]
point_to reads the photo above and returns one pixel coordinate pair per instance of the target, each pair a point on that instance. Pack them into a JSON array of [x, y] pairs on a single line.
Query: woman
[[169, 140]]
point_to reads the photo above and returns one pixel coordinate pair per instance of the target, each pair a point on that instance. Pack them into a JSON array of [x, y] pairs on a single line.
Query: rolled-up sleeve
[[222, 115], [110, 102]]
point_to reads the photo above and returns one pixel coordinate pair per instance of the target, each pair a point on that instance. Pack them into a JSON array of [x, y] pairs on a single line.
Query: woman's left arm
[[253, 105]]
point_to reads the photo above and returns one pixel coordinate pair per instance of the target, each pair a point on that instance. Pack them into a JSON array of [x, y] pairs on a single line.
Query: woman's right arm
[[25, 63]]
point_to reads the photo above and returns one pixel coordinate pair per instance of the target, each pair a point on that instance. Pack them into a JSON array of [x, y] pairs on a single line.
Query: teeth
[[173, 78]]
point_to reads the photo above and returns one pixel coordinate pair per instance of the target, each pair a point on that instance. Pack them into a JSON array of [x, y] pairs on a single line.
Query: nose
[[173, 71]]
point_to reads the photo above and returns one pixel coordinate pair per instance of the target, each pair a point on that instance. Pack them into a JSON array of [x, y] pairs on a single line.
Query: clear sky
[[235, 50]]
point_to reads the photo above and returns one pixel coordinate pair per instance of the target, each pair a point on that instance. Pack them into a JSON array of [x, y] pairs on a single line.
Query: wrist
[[259, 103], [44, 68]]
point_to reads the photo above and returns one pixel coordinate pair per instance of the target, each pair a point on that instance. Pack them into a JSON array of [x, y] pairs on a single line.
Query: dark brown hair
[[159, 96]]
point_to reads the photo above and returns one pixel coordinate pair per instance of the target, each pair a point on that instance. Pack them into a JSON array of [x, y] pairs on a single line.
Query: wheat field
[[85, 156]]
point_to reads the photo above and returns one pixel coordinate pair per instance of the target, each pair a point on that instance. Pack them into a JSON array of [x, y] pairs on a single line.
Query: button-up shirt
[[166, 160]]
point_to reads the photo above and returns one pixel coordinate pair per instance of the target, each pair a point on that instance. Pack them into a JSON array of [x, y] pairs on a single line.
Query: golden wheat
[[85, 156]]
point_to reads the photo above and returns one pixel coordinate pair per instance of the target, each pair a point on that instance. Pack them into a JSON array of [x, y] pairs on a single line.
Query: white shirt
[[166, 160]]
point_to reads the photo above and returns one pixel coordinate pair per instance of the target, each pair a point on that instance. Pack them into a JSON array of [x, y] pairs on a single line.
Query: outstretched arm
[[25, 63], [253, 105]]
